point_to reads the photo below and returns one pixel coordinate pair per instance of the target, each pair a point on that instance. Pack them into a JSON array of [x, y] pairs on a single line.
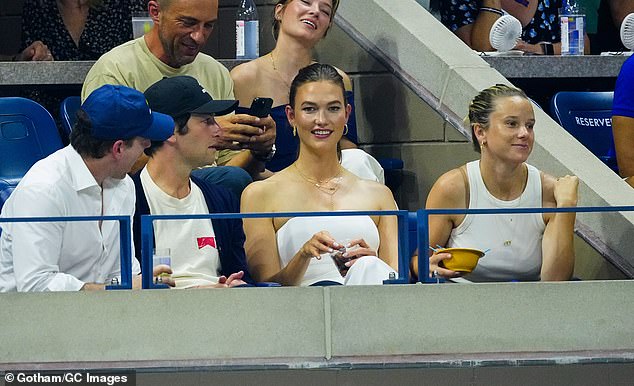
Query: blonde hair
[[483, 105]]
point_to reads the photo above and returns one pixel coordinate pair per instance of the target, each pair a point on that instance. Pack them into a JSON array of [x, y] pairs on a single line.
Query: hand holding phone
[[261, 107]]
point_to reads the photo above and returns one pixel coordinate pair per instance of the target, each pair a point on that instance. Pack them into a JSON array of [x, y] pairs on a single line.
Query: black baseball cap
[[180, 95]]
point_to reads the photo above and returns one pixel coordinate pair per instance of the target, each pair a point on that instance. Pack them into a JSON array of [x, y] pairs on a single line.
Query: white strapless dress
[[367, 270]]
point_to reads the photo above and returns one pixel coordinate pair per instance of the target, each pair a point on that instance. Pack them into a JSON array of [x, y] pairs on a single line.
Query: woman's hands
[[347, 255], [435, 270], [566, 191], [321, 243], [345, 252]]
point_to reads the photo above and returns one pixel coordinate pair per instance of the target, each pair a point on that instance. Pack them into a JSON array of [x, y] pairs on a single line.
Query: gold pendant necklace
[[279, 75], [324, 186], [512, 225], [500, 219]]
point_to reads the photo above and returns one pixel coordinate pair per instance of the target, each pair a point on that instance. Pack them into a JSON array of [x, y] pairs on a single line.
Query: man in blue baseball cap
[[87, 178]]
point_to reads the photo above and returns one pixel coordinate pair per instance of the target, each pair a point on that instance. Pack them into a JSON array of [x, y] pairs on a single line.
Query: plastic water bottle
[[573, 28], [247, 31]]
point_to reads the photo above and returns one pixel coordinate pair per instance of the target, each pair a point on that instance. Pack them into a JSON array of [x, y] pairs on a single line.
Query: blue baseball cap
[[120, 112]]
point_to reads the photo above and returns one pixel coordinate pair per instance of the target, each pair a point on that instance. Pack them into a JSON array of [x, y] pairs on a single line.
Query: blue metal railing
[[423, 225], [147, 236], [422, 216], [125, 240]]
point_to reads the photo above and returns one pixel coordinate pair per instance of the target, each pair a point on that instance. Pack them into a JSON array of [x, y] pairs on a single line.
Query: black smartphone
[[261, 107]]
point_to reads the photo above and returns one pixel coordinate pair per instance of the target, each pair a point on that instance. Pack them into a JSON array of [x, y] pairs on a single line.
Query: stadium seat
[[27, 134], [7, 186], [392, 167], [587, 116], [67, 111]]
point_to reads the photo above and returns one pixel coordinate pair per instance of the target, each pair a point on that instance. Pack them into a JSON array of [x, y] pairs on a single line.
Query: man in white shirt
[[87, 178], [204, 253]]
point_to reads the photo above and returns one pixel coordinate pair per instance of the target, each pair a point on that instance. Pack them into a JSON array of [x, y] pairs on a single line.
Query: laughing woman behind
[[296, 251], [298, 25], [523, 246]]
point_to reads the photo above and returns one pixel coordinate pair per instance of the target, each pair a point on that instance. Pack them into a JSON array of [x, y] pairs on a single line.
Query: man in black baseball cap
[[204, 253]]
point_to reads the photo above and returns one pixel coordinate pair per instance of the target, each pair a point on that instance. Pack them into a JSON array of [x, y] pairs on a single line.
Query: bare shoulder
[[258, 194], [379, 192], [449, 190], [245, 72], [245, 76]]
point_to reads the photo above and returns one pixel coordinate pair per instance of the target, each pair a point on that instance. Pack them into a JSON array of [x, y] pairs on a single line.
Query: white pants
[[368, 270]]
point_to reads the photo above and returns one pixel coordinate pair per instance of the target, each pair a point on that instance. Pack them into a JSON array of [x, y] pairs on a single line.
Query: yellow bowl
[[462, 259]]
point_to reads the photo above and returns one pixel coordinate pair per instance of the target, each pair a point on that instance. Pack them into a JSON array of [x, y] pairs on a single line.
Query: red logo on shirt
[[206, 241]]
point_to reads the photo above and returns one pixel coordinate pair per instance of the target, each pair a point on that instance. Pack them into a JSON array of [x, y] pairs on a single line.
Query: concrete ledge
[[50, 73], [319, 325], [588, 66]]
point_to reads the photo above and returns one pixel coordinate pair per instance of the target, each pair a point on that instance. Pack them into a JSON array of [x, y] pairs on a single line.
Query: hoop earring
[[345, 129], [294, 131]]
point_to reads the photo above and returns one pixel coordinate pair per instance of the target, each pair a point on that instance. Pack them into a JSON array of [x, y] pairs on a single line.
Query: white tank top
[[515, 240]]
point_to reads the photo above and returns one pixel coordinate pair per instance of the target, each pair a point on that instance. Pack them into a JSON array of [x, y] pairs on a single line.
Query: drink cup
[[573, 28], [161, 256]]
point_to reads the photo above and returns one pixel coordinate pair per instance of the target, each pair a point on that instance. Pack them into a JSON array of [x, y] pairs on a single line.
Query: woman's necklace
[[328, 186], [279, 74], [501, 220], [501, 223]]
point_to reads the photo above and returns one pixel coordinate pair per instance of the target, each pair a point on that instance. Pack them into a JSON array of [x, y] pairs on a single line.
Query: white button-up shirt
[[62, 256]]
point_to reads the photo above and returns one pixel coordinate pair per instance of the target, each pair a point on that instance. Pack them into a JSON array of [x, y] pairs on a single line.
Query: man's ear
[[117, 149], [154, 9]]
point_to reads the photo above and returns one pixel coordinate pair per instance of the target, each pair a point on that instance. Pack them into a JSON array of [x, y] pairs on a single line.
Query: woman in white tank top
[[522, 246]]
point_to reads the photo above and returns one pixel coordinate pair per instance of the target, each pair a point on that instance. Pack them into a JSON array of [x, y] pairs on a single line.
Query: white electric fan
[[505, 33], [627, 32]]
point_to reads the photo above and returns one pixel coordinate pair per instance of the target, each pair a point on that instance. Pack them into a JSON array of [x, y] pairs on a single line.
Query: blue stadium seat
[[7, 186], [67, 111], [587, 116], [27, 134]]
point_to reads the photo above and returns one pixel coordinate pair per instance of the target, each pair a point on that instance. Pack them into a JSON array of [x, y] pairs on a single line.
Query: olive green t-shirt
[[132, 64]]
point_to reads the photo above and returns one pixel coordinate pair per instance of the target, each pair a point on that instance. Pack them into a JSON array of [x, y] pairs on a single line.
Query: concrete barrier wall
[[317, 325]]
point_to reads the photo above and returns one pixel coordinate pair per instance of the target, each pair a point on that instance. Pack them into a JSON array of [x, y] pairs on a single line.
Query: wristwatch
[[265, 158], [547, 48]]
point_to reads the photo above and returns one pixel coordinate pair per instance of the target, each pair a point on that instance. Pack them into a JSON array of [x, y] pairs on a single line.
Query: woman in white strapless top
[[297, 251]]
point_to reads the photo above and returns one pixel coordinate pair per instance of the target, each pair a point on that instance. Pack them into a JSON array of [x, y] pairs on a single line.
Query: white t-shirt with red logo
[[192, 243]]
